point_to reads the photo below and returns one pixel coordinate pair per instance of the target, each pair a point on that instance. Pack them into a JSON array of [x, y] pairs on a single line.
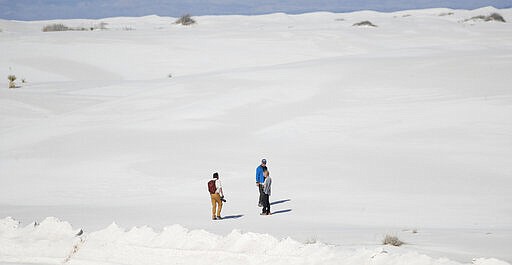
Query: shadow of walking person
[[282, 211], [233, 216], [278, 202]]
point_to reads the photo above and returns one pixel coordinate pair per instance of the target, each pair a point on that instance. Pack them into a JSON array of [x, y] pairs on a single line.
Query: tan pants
[[216, 200]]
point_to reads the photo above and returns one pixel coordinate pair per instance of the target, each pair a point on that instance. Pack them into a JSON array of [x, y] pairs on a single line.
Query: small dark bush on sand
[[365, 23], [55, 27], [491, 17], [185, 20], [392, 240]]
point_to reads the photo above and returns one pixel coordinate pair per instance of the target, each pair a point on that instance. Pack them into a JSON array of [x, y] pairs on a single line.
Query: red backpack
[[211, 186]]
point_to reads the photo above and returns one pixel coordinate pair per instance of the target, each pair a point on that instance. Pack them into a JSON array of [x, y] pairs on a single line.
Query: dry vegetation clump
[[480, 17], [11, 79], [101, 26], [364, 23], [55, 27], [62, 27], [392, 240], [495, 17], [491, 17], [310, 241], [185, 20], [446, 14]]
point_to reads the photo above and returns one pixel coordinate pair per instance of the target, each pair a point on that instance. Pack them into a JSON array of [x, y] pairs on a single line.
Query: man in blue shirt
[[260, 179]]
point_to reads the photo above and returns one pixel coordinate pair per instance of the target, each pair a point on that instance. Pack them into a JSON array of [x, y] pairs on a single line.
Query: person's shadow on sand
[[281, 201], [233, 216], [282, 211]]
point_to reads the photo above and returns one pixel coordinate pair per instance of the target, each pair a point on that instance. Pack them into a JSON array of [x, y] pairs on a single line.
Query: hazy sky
[[51, 9]]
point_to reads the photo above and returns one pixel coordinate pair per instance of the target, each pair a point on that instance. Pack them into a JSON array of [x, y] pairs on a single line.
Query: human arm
[[267, 185], [259, 176]]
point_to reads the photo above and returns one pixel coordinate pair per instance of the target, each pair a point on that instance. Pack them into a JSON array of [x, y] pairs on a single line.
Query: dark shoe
[[214, 218], [219, 218], [269, 213]]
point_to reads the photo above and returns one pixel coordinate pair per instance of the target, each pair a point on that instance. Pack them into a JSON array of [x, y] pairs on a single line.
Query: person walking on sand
[[217, 196], [266, 193], [260, 179]]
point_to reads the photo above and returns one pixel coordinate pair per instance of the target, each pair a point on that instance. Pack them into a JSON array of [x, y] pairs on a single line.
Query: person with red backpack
[[217, 196]]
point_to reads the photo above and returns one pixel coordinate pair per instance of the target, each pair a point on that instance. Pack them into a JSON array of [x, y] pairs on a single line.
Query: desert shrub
[[11, 79], [480, 17], [364, 23], [404, 15], [185, 20], [491, 17], [495, 17], [392, 240], [55, 27], [446, 14], [310, 240], [102, 26]]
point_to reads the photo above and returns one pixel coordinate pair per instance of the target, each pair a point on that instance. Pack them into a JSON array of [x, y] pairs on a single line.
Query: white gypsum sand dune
[[115, 245], [368, 131]]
